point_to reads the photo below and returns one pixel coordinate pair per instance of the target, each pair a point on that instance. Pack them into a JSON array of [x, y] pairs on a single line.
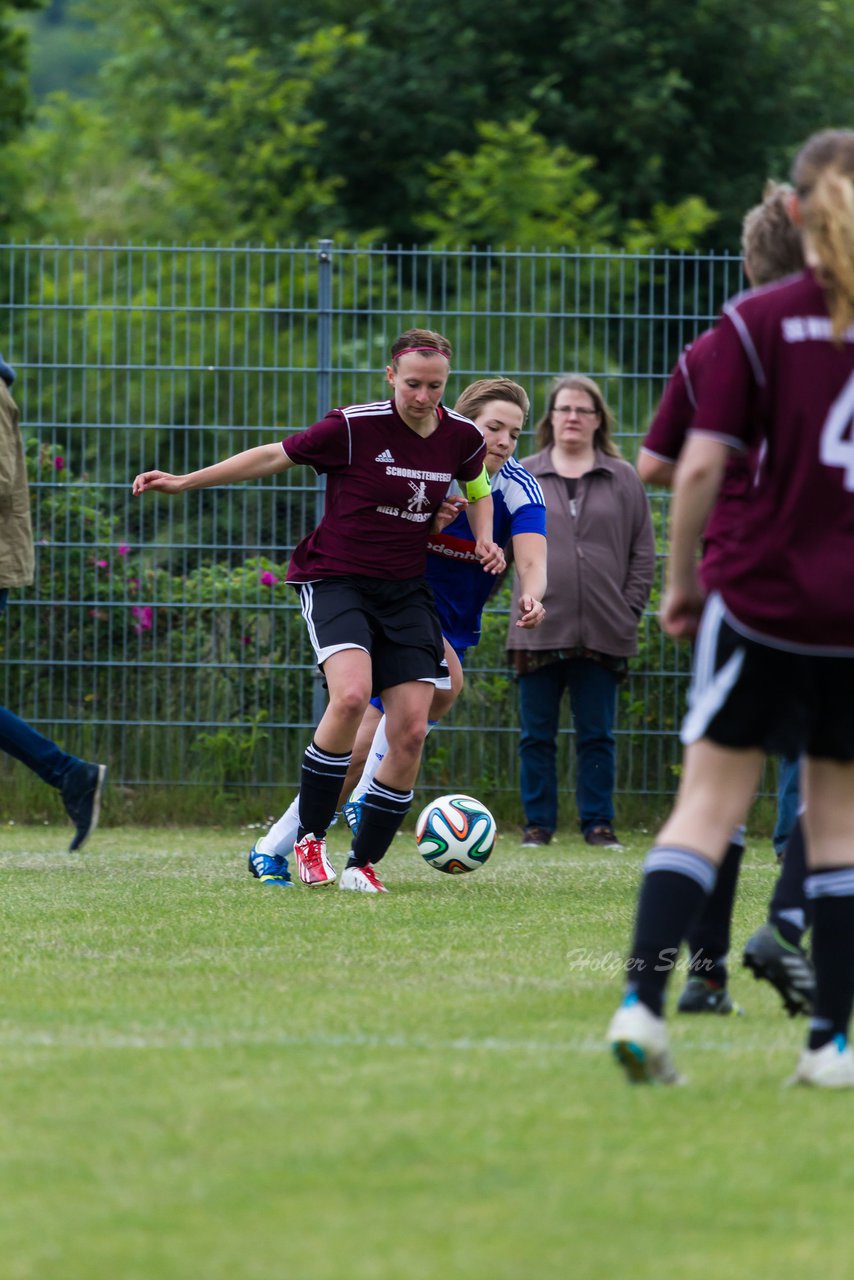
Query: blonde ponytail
[[822, 173]]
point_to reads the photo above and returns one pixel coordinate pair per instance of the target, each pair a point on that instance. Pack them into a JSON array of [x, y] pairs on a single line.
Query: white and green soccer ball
[[455, 833]]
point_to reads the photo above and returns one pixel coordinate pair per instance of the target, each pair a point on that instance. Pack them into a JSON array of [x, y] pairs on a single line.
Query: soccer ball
[[455, 833]]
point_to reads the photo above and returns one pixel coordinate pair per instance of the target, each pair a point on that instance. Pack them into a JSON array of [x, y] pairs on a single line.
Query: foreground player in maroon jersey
[[772, 249], [774, 661], [370, 616]]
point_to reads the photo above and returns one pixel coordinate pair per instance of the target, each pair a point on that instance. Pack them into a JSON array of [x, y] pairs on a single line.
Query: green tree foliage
[[674, 101], [225, 110], [14, 97], [516, 188]]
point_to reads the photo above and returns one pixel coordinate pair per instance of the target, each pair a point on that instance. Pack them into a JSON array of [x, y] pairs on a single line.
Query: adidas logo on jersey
[[385, 456]]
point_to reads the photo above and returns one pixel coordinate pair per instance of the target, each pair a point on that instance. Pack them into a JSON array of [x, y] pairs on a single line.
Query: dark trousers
[[32, 748], [593, 701]]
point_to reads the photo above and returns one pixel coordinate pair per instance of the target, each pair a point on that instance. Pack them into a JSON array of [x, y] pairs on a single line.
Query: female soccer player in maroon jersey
[[774, 662], [370, 616], [772, 249]]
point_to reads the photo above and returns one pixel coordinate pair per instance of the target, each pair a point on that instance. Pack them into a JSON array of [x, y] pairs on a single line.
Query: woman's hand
[[447, 513], [159, 481], [531, 612], [491, 556]]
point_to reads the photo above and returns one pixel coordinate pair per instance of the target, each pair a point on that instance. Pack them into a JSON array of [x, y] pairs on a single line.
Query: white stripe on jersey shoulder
[[731, 309], [518, 486], [461, 417], [686, 378], [746, 341], [761, 290], [376, 409]]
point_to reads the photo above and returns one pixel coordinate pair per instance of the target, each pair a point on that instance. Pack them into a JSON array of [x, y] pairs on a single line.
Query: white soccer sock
[[376, 755], [282, 836], [379, 746]]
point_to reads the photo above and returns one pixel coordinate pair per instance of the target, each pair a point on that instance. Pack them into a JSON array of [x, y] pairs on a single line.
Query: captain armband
[[479, 487]]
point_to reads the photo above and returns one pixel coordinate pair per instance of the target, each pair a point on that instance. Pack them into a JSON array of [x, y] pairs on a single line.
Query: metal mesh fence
[[159, 634]]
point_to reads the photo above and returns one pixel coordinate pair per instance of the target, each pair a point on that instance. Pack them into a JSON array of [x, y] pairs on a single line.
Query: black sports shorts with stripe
[[746, 693], [395, 622]]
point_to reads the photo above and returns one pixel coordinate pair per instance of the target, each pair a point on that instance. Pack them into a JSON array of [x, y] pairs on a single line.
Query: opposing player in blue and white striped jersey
[[498, 407]]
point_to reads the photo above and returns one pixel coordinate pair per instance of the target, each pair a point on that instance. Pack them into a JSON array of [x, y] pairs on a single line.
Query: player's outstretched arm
[[251, 464], [529, 554]]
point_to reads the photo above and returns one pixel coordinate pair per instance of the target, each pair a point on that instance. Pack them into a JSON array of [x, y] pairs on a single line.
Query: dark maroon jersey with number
[[780, 381], [666, 437], [384, 484]]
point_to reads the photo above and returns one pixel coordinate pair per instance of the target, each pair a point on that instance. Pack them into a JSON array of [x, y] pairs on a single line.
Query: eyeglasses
[[582, 412]]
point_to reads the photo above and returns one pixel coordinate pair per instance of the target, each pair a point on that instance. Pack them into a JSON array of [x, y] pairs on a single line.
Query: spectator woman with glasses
[[601, 560]]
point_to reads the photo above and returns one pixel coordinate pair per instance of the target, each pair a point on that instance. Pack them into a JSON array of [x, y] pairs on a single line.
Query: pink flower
[[102, 564], [123, 548], [59, 463], [245, 639], [269, 579], [144, 615]]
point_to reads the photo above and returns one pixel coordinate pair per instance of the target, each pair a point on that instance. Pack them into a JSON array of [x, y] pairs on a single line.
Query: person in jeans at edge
[[601, 562], [79, 783]]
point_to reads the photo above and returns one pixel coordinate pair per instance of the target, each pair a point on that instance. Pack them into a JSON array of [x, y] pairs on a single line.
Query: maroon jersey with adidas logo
[[779, 381], [384, 485]]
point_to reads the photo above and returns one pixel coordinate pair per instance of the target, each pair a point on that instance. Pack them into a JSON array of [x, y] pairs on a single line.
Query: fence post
[[324, 394]]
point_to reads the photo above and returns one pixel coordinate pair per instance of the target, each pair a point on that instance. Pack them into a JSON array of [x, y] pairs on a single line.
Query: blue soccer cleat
[[270, 868], [352, 811]]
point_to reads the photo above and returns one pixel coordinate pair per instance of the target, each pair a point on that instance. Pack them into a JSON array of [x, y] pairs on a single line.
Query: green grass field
[[203, 1077]]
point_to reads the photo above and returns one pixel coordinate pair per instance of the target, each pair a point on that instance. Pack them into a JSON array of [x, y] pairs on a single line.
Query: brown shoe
[[535, 837], [603, 836]]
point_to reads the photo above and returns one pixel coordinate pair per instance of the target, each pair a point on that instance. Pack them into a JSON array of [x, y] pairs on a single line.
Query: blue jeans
[[32, 748], [788, 800], [593, 701]]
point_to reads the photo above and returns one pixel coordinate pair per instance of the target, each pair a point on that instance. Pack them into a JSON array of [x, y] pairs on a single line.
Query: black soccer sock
[[832, 895], [790, 912], [383, 810], [708, 942], [675, 886], [321, 780]]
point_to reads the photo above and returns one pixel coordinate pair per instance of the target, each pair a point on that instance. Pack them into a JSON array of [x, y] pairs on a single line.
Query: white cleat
[[639, 1042], [362, 879], [830, 1067]]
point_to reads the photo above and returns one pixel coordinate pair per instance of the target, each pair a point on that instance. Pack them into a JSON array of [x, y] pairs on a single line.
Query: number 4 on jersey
[[836, 448]]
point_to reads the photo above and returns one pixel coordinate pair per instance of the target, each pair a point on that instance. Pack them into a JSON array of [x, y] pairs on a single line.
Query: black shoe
[[701, 996], [784, 965], [81, 791], [534, 837], [604, 836]]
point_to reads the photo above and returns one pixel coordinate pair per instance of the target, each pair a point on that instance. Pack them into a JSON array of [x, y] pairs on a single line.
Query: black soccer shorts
[[746, 693], [395, 622]]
